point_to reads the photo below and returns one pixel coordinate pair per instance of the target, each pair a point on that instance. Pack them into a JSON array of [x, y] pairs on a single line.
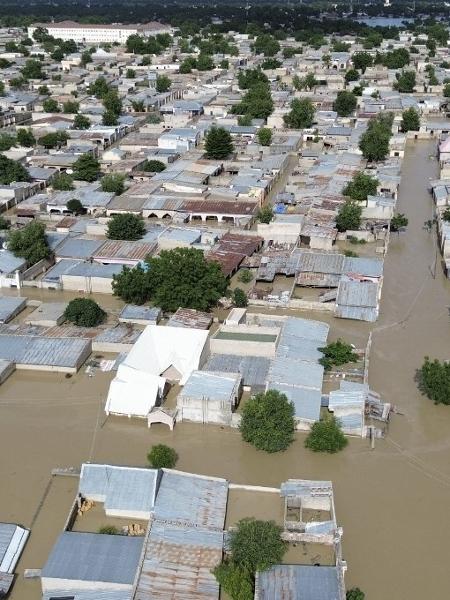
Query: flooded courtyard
[[392, 501]]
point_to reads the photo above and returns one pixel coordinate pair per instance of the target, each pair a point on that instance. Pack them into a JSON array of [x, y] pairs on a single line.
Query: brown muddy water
[[392, 502]]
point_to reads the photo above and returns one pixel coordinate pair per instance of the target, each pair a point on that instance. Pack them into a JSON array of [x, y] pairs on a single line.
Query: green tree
[[125, 226], [326, 436], [205, 62], [396, 59], [410, 120], [112, 102], [71, 107], [265, 214], [130, 74], [32, 69], [406, 81], [132, 285], [26, 138], [113, 183], [374, 142], [153, 166], [50, 106], [268, 421], [224, 63], [84, 312], [256, 545], [218, 143], [182, 277], [162, 457], [2, 88], [75, 207], [6, 141], [30, 243], [239, 298], [355, 594], [351, 75], [345, 103], [250, 77], [433, 380], [62, 182], [349, 216], [265, 136], [266, 44], [11, 171], [109, 118], [245, 120], [236, 581], [81, 122], [54, 140], [43, 90], [163, 83], [138, 105], [398, 222], [245, 276], [271, 63], [99, 88], [256, 103], [187, 65], [86, 58], [86, 168], [361, 186], [336, 354], [447, 90], [4, 224], [361, 60], [301, 115]]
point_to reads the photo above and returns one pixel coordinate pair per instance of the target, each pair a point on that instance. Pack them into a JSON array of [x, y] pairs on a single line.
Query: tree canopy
[[125, 226], [268, 421], [345, 103], [114, 182], [399, 221], [326, 436], [81, 122], [336, 354], [75, 207], [361, 186], [301, 115], [218, 143], [30, 243], [266, 44], [410, 120], [153, 166], [361, 60], [433, 380], [181, 277], [374, 142], [355, 594], [11, 171], [84, 312], [163, 83], [86, 168], [26, 138], [62, 182], [256, 545], [406, 81], [257, 103], [349, 216], [162, 457], [265, 136]]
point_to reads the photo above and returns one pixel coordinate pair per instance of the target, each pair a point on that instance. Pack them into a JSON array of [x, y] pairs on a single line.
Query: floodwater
[[392, 501]]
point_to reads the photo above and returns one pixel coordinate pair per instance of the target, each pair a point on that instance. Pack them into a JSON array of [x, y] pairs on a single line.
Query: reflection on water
[[392, 502]]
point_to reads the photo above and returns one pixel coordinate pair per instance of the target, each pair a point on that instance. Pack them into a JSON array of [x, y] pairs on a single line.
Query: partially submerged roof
[[12, 540], [189, 317], [92, 557], [10, 306], [43, 351], [299, 582], [213, 385]]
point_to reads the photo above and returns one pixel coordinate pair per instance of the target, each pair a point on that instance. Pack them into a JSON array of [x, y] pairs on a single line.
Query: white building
[[83, 33]]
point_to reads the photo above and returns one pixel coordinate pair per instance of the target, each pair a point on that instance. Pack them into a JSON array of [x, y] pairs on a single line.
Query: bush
[[399, 221], [153, 166], [337, 353], [360, 187], [236, 581], [326, 436], [84, 312], [62, 182], [265, 136], [162, 457], [240, 298], [125, 226], [245, 276], [355, 594], [345, 103], [433, 380], [256, 545], [75, 207], [268, 421], [113, 183], [109, 530], [265, 214]]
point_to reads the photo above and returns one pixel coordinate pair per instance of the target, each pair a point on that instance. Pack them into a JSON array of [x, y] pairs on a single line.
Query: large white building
[[97, 34]]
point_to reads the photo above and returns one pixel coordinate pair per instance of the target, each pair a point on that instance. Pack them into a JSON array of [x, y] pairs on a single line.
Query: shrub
[[162, 457], [355, 594], [109, 530], [256, 545], [326, 436], [433, 380], [337, 353], [75, 207], [30, 243], [245, 276], [240, 298], [84, 312]]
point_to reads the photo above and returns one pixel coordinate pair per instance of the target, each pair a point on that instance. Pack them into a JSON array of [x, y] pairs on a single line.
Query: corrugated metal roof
[[118, 249], [43, 351], [306, 487], [357, 313], [141, 313], [199, 501], [94, 557], [121, 488], [70, 593], [296, 373], [79, 248], [254, 369], [120, 334], [213, 385], [88, 269], [301, 582], [357, 293], [9, 306], [189, 317], [321, 263], [369, 267], [10, 263], [306, 402]]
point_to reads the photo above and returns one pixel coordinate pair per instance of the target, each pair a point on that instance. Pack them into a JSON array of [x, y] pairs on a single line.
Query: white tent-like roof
[[138, 384]]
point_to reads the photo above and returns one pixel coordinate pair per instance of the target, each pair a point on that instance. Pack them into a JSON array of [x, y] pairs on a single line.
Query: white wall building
[[83, 33]]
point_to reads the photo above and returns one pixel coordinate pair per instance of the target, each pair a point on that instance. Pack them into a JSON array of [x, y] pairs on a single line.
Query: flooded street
[[392, 502]]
